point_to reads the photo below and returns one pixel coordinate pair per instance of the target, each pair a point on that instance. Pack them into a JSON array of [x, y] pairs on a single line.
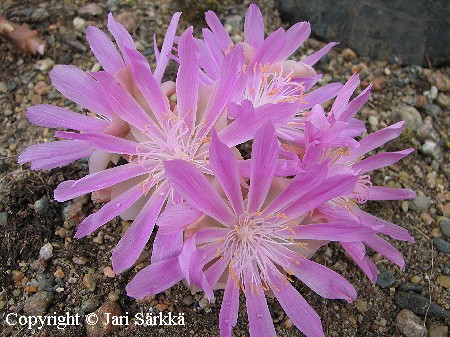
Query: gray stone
[[432, 110], [420, 305], [430, 148], [420, 203], [38, 303], [443, 100], [378, 28], [3, 219], [426, 130], [45, 281], [446, 269], [39, 15], [113, 5], [442, 245], [409, 286], [444, 224], [41, 205], [385, 279], [411, 117], [12, 85], [90, 9], [410, 325]]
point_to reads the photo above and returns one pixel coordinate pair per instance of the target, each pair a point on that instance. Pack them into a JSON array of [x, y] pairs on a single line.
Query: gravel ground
[[43, 271]]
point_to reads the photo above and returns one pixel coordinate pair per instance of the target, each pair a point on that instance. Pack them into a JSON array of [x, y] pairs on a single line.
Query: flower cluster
[[164, 155]]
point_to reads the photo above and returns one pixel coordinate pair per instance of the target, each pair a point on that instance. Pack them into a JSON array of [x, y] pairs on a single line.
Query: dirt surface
[[77, 278]]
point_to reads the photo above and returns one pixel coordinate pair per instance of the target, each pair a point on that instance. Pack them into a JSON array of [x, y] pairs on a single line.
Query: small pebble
[[420, 203], [444, 281], [58, 273], [107, 271], [435, 330], [416, 279], [348, 54], [80, 260], [89, 282], [441, 245], [385, 279], [444, 225], [38, 303], [105, 324], [410, 325], [90, 9]]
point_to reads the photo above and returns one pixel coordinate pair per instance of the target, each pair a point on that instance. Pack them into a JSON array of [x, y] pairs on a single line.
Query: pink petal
[[166, 246], [389, 193], [55, 117], [195, 188], [104, 142], [229, 309], [121, 35], [333, 231], [210, 234], [214, 272], [207, 61], [295, 36], [104, 50], [166, 48], [188, 78], [331, 188], [254, 26], [375, 140], [380, 160], [109, 211], [355, 105], [386, 249], [148, 85], [133, 242], [124, 104], [322, 280], [224, 166], [320, 95], [213, 47], [222, 37], [388, 228], [155, 278], [264, 156], [55, 154], [176, 217], [81, 88], [344, 96], [259, 319], [70, 189], [313, 58], [367, 266], [270, 49], [244, 128], [299, 311]]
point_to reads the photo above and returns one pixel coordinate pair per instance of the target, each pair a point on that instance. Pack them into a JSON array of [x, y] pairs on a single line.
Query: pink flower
[[253, 240]]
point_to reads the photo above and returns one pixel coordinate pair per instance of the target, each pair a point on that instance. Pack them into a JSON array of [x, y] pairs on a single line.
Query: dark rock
[[12, 85], [444, 224], [385, 279], [441, 245], [3, 167], [378, 28], [420, 305], [113, 5], [39, 15], [45, 281], [408, 286], [446, 269], [20, 13]]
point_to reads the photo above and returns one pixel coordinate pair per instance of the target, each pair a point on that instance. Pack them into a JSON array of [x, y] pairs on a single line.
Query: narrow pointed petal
[[70, 189], [368, 267], [254, 26], [55, 154], [155, 278], [355, 105], [380, 160], [120, 34], [244, 129], [259, 319], [177, 217], [224, 166], [133, 242], [375, 140], [81, 88], [270, 49], [314, 58], [124, 104], [213, 46], [386, 249], [166, 49], [208, 234], [55, 117], [196, 189], [104, 142], [344, 95], [295, 36], [333, 231], [104, 50], [222, 37], [166, 246], [148, 85], [388, 228], [214, 272], [390, 193], [188, 78], [229, 309], [299, 311], [207, 61], [264, 157], [322, 280], [320, 95], [109, 211]]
